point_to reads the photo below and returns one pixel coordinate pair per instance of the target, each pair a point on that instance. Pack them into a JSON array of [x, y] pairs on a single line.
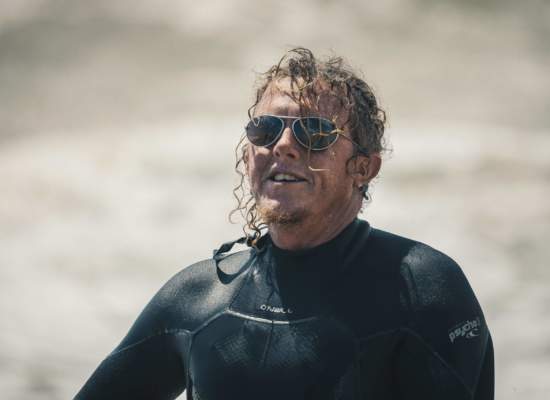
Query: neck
[[311, 231]]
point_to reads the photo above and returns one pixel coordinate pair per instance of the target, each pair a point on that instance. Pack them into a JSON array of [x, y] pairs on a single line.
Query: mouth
[[279, 177]]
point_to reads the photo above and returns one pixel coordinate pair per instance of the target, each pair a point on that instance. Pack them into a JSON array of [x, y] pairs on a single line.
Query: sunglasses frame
[[282, 118]]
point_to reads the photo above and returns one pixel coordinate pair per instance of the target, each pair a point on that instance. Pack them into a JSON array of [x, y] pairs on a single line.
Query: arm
[[149, 363], [446, 352], [149, 369]]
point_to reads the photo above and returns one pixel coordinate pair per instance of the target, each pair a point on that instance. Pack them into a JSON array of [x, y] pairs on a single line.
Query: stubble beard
[[273, 214]]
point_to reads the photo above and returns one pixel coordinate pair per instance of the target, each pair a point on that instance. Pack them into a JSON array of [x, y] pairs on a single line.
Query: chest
[[295, 336], [247, 357]]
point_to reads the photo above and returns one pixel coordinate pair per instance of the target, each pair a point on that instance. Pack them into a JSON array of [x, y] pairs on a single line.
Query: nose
[[287, 146]]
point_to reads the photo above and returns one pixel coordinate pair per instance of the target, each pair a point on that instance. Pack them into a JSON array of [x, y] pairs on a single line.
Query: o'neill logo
[[468, 329], [277, 310]]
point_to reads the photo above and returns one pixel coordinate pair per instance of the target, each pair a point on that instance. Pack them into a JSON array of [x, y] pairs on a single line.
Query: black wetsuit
[[368, 315]]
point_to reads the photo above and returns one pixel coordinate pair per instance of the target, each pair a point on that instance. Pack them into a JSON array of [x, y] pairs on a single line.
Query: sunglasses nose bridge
[[286, 144], [287, 124], [287, 133]]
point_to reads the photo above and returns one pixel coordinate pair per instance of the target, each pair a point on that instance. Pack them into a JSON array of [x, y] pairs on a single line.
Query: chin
[[273, 212]]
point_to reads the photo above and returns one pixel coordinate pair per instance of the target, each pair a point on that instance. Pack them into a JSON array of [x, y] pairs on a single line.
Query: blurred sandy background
[[118, 121]]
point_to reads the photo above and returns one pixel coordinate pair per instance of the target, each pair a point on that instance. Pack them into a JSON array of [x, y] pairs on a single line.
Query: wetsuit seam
[[440, 358], [270, 321], [250, 261], [485, 346], [227, 308], [352, 255], [209, 321], [266, 348], [413, 294], [174, 331], [412, 290]]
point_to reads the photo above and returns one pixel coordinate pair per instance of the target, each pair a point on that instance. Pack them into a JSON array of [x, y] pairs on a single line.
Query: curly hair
[[366, 120]]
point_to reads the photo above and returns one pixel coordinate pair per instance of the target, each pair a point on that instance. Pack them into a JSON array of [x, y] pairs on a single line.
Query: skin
[[327, 198]]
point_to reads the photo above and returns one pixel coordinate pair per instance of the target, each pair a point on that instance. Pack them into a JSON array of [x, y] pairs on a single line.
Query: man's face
[[324, 188]]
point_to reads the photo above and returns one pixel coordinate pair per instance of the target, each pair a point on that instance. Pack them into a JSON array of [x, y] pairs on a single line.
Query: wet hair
[[309, 77]]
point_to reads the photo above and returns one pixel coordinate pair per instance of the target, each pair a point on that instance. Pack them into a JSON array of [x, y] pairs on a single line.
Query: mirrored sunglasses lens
[[263, 130], [315, 133]]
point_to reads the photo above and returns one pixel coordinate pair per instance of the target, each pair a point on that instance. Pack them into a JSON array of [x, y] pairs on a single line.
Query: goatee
[[273, 215]]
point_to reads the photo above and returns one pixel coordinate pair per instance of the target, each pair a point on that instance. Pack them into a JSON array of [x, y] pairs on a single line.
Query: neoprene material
[[368, 315]]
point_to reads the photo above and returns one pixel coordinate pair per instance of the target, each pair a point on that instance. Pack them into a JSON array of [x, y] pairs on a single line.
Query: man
[[322, 306]]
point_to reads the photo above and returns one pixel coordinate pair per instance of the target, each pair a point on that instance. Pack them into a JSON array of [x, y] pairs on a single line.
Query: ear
[[366, 169]]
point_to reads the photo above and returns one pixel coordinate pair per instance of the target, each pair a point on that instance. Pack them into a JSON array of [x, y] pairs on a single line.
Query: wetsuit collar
[[336, 249]]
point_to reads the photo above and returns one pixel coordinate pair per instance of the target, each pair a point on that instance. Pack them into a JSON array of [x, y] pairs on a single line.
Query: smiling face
[[291, 186]]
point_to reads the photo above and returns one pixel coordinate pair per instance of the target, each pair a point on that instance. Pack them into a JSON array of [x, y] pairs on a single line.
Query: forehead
[[282, 97]]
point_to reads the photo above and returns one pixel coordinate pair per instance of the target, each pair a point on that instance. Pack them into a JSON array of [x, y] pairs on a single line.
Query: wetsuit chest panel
[[239, 357]]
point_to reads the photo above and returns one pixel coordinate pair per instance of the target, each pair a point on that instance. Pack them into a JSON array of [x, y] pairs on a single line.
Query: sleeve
[[149, 362], [446, 350], [150, 369]]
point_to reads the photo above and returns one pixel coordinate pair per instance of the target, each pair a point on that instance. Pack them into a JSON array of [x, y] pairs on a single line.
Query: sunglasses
[[314, 133]]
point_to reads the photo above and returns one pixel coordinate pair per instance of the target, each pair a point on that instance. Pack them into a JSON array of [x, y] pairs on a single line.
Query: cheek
[[334, 169], [255, 166], [336, 181]]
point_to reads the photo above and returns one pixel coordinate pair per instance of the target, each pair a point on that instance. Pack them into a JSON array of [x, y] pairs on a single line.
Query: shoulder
[[435, 281], [202, 279], [192, 296], [201, 290], [434, 288], [424, 267], [388, 247], [445, 322]]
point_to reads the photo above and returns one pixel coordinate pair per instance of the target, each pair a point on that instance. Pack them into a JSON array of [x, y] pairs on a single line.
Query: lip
[[287, 171]]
